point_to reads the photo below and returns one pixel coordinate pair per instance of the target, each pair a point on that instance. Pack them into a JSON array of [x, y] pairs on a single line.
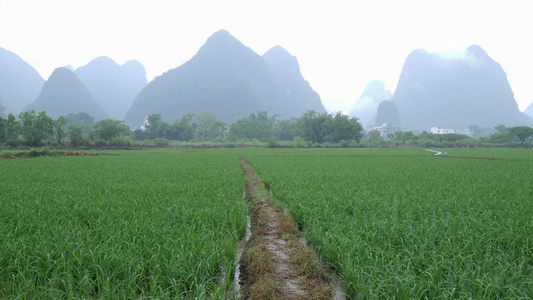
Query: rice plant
[[142, 224], [404, 224]]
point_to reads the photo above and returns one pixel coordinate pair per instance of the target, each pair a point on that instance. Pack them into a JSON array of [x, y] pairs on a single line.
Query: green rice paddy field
[[165, 223]]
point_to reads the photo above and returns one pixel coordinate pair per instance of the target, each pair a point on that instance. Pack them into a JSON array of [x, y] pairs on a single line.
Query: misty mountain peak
[[278, 52], [61, 72], [365, 107], [232, 81], [221, 40], [134, 66], [113, 86], [477, 52], [376, 89], [19, 82], [101, 62], [454, 89], [64, 93]]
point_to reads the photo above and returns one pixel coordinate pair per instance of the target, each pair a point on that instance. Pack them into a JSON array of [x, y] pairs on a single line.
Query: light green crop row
[[155, 223], [407, 225]]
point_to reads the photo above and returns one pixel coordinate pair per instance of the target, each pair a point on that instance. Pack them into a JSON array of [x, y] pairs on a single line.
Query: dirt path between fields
[[277, 263]]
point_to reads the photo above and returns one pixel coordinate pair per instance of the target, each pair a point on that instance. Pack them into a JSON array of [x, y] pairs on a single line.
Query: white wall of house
[[439, 130]]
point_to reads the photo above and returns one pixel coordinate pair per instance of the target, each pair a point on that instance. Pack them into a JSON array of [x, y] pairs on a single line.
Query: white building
[[384, 129], [439, 130]]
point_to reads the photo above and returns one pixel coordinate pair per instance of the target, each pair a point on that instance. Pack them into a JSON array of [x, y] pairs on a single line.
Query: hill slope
[[2, 108], [455, 91], [285, 71], [224, 77], [19, 82], [529, 111], [113, 86], [64, 93]]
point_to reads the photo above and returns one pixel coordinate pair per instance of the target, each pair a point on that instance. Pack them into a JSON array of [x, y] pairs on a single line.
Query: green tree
[[374, 137], [183, 130], [402, 136], [209, 128], [318, 128], [75, 133], [476, 131], [258, 126], [156, 127], [311, 126], [83, 119], [2, 130], [501, 135], [341, 127], [59, 128], [522, 133], [12, 130], [108, 129], [283, 130], [36, 127]]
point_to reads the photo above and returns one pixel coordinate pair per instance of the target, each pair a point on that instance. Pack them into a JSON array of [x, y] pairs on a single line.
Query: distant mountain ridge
[[471, 89], [366, 106], [64, 93], [20, 83], [113, 86], [230, 80]]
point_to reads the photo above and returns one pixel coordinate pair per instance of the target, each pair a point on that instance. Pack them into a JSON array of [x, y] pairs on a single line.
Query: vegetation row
[[312, 129]]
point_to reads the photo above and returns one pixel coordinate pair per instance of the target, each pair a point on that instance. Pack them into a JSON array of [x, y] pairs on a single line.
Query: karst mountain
[[19, 82], [113, 86], [230, 80], [64, 93], [455, 91], [366, 106]]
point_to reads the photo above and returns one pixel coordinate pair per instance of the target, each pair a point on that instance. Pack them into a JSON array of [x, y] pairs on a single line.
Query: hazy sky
[[340, 45]]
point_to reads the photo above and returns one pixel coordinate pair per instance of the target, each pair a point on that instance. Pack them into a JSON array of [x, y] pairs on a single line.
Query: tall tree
[[522, 133], [2, 130], [108, 129], [36, 127], [258, 126], [75, 133], [156, 126], [12, 130], [209, 128], [59, 128], [323, 127]]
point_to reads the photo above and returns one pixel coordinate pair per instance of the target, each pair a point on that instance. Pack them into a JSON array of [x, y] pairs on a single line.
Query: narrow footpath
[[277, 263]]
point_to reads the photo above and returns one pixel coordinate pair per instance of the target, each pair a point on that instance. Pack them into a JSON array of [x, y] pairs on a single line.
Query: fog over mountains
[[112, 85], [230, 80], [365, 107], [19, 82], [64, 93], [444, 89], [457, 91]]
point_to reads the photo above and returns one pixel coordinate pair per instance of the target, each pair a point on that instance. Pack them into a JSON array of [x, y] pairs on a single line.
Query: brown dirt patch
[[276, 265]]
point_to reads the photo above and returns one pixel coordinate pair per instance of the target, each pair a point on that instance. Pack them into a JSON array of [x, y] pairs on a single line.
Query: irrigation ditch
[[276, 261]]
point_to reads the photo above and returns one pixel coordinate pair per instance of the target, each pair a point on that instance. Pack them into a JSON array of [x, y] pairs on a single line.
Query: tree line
[[312, 129], [33, 129]]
